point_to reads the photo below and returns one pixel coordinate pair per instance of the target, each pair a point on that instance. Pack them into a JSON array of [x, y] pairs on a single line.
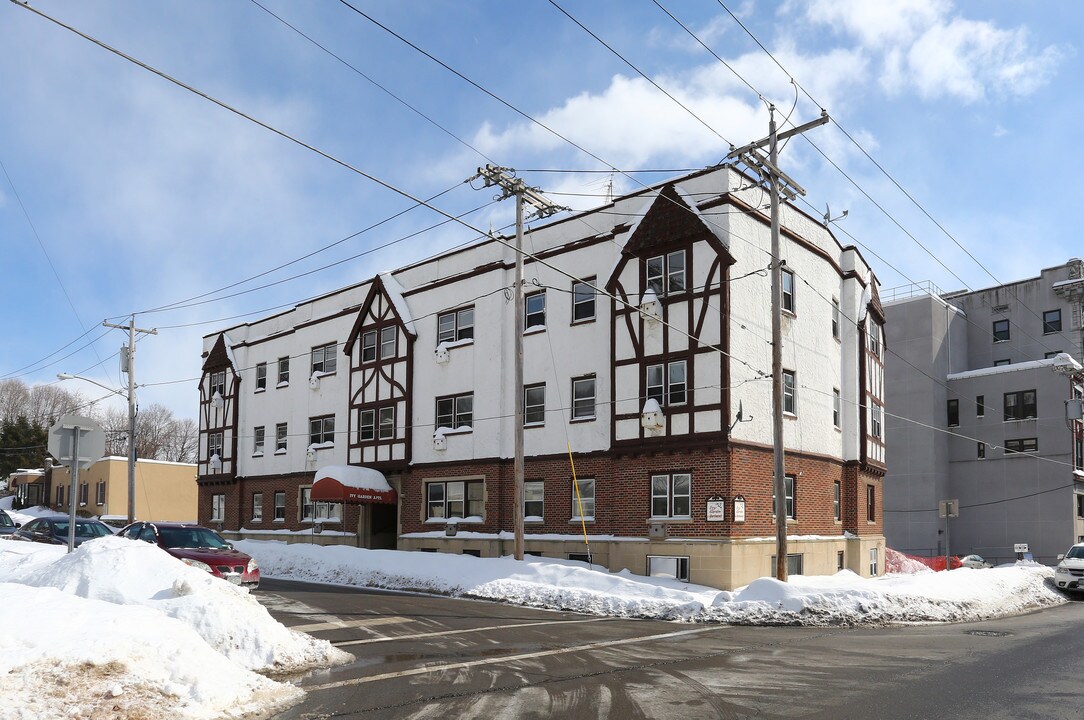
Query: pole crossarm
[[510, 185]]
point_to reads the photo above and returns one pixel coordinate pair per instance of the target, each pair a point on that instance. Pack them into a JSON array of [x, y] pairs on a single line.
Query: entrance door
[[384, 531]]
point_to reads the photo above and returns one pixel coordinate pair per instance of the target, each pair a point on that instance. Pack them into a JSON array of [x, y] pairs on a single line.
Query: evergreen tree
[[22, 444]]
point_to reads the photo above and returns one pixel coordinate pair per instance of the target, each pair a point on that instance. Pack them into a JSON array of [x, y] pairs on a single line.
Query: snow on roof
[[640, 215], [1071, 281], [229, 352], [1061, 361], [353, 476], [395, 293]]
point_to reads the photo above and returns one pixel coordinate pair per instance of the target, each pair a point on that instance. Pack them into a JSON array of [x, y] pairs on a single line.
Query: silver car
[[1069, 574]]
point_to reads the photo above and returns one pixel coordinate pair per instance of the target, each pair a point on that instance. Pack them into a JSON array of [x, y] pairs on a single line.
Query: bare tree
[[183, 442], [14, 399]]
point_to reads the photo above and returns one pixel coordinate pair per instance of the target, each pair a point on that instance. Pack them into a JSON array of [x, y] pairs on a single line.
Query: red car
[[199, 547]]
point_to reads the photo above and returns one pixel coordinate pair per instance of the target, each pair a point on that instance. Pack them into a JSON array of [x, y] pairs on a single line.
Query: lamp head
[[65, 376]]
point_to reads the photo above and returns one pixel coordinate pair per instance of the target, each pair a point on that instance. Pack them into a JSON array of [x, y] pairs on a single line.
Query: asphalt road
[[425, 657]]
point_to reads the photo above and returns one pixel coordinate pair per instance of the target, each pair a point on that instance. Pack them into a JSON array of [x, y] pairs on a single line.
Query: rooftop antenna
[[828, 215]]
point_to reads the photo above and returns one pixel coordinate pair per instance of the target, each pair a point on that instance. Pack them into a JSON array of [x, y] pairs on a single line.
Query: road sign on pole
[[62, 444]]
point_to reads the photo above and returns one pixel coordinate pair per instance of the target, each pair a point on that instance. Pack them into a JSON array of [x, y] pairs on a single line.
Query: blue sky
[[124, 193]]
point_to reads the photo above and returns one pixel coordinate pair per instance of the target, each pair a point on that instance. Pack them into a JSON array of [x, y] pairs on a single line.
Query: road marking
[[339, 624], [420, 636], [443, 667]]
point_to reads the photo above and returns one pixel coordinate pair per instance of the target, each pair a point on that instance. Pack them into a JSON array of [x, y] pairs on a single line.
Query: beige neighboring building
[[163, 490]]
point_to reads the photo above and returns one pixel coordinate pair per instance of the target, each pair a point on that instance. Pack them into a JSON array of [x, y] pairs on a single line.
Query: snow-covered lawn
[[120, 629]]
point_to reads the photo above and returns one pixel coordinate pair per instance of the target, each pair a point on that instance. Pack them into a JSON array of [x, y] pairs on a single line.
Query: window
[[999, 363], [533, 495], [583, 301], [583, 499], [837, 407], [667, 383], [835, 318], [581, 557], [280, 438], [1021, 445], [257, 507], [837, 496], [534, 404], [534, 310], [980, 405], [368, 346], [455, 412], [257, 440], [1078, 452], [981, 449], [387, 342], [874, 339], [1051, 354], [84, 493], [1079, 506], [218, 383], [1051, 321], [318, 510], [261, 376], [99, 493], [671, 495], [218, 508], [214, 445], [790, 404], [873, 557], [840, 564], [583, 398], [280, 507], [367, 425], [666, 273], [387, 424], [788, 492], [875, 415], [1020, 405], [795, 564], [455, 499], [455, 325], [322, 430], [60, 495], [284, 371], [871, 503], [323, 359], [953, 412], [788, 291], [671, 567], [1001, 330]]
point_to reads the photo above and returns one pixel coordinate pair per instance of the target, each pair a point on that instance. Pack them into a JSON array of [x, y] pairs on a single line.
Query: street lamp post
[[131, 398]]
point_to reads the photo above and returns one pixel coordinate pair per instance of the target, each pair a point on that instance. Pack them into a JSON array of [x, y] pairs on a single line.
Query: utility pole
[[128, 365], [779, 183], [505, 179]]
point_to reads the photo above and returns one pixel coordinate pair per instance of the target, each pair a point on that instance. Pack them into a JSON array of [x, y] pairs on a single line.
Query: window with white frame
[[280, 507], [668, 566], [837, 408], [583, 398], [257, 440], [873, 561], [875, 420], [874, 333], [280, 438], [214, 445], [455, 325], [84, 493], [99, 493], [368, 346], [667, 383], [283, 371], [871, 503], [318, 510], [455, 412], [366, 425], [386, 429], [534, 493], [261, 376], [534, 310], [790, 393], [671, 495], [788, 492], [583, 499], [218, 508], [666, 273], [583, 301], [323, 359], [788, 299], [837, 497], [257, 507], [534, 404], [835, 318], [455, 499], [218, 383], [388, 337], [322, 430]]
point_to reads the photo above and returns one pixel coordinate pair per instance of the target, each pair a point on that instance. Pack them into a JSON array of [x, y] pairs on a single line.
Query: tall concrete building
[[980, 389]]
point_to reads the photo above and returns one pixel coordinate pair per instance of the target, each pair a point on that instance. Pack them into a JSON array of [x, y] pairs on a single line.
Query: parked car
[[199, 547], [7, 525], [53, 530], [975, 562], [1069, 573]]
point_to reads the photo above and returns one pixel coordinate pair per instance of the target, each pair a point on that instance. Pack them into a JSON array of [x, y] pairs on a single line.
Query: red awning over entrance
[[352, 484]]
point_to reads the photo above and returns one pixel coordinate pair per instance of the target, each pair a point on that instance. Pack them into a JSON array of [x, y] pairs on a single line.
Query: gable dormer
[[219, 389], [669, 325], [381, 347]]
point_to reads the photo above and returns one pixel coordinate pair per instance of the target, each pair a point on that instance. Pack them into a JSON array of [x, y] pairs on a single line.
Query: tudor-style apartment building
[[647, 363]]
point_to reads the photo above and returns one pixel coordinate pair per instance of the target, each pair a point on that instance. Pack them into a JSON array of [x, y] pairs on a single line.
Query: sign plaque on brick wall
[[739, 508], [716, 511]]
